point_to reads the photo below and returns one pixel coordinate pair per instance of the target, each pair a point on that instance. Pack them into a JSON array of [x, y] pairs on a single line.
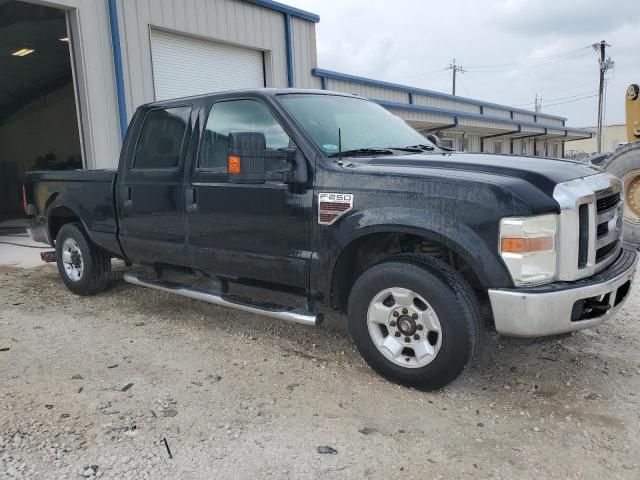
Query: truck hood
[[544, 173]]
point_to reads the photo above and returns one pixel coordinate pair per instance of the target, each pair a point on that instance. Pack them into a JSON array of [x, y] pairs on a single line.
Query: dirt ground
[[93, 387]]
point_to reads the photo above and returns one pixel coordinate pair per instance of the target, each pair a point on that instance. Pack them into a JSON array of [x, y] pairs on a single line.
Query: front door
[[150, 189], [252, 231]]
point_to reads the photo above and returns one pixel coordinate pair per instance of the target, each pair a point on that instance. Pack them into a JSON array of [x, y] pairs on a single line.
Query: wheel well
[[366, 251], [58, 217]]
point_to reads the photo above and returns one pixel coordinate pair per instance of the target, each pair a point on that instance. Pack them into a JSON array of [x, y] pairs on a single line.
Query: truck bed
[[87, 194]]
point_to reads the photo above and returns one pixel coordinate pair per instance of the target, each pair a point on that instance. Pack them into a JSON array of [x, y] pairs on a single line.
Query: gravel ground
[[93, 387]]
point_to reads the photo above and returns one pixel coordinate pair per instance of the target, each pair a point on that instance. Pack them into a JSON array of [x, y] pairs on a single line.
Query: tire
[[445, 293], [90, 271], [624, 163]]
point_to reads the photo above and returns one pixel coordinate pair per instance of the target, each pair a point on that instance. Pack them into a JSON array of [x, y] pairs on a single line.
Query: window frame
[[222, 171], [181, 154]]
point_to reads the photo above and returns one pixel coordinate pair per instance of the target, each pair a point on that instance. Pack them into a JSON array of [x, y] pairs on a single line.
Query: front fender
[[472, 236]]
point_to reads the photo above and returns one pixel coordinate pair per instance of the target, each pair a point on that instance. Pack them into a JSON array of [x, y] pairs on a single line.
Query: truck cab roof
[[263, 92]]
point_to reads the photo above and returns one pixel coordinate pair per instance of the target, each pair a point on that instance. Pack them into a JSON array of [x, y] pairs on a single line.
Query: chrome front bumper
[[562, 307]]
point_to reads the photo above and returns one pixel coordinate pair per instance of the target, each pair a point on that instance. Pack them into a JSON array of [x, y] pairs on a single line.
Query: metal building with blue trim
[[129, 52]]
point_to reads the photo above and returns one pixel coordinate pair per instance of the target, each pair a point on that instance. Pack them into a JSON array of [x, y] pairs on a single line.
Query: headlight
[[528, 247]]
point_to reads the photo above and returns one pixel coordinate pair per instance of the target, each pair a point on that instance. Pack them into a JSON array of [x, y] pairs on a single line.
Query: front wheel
[[415, 321], [83, 267]]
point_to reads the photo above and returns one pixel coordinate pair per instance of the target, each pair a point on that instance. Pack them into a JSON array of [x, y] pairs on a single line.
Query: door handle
[[128, 201], [192, 199]]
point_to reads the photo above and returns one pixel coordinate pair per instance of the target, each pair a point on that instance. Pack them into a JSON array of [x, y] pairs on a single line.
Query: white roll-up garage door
[[184, 66]]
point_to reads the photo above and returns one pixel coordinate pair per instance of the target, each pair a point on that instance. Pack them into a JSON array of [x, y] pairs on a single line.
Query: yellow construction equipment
[[624, 162], [632, 107]]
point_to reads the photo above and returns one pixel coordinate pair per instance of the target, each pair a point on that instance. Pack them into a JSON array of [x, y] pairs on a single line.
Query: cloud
[[539, 46], [564, 18]]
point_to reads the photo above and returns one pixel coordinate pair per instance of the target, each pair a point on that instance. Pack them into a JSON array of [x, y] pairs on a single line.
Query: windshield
[[363, 124]]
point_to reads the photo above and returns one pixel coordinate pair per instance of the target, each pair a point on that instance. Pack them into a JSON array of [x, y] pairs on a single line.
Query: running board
[[279, 312]]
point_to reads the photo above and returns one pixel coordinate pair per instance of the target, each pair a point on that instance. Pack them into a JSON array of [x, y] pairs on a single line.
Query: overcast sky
[[512, 49]]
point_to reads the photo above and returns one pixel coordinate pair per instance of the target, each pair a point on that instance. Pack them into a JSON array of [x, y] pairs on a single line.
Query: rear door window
[[162, 138]]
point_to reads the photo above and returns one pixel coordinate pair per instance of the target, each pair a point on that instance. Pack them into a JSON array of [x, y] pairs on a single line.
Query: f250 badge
[[332, 206]]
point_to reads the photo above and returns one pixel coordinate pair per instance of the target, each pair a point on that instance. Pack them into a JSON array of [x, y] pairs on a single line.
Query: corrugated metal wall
[[523, 117], [368, 91], [446, 104], [303, 39], [497, 112], [227, 21]]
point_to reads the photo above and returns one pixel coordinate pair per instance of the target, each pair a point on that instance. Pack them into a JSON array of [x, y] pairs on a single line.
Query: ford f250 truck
[[330, 199]]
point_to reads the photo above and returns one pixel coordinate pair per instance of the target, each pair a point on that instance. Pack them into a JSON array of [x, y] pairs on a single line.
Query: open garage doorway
[[38, 113]]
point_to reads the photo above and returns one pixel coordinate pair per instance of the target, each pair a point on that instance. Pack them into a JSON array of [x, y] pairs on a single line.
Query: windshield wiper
[[423, 147], [362, 151], [410, 149]]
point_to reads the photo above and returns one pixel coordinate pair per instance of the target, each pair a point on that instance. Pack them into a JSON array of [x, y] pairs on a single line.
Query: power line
[[517, 99], [525, 66], [464, 87], [539, 101], [558, 98], [571, 101], [532, 62]]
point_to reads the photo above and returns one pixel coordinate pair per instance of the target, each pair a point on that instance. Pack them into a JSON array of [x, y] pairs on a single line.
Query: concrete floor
[[16, 247]]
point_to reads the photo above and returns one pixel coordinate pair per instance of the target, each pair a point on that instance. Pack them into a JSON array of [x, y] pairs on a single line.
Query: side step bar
[[279, 312]]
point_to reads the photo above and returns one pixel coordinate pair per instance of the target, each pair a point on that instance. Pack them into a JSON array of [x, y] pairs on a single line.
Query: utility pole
[[455, 69], [605, 64], [537, 103]]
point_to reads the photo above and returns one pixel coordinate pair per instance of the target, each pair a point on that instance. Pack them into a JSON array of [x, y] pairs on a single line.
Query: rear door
[[253, 231], [150, 186]]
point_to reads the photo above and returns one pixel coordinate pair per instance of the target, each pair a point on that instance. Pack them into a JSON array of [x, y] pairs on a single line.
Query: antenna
[[339, 143]]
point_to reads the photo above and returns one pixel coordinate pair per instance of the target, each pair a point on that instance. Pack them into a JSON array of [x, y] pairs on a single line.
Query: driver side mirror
[[249, 161]]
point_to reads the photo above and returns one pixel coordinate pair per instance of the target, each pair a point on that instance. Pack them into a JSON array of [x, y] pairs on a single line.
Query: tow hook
[[597, 305]]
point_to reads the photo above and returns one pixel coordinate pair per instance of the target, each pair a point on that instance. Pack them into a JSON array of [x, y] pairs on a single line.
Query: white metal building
[[613, 136], [74, 71]]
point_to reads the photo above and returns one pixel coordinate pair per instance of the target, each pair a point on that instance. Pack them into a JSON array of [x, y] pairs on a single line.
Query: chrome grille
[[603, 229], [603, 252], [608, 224], [589, 228], [607, 202]]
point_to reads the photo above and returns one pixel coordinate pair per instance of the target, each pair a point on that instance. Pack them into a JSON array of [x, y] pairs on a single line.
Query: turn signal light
[[526, 244], [233, 165]]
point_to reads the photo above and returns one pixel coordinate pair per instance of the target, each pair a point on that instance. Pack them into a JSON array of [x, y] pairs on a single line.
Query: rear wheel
[[415, 321], [83, 267]]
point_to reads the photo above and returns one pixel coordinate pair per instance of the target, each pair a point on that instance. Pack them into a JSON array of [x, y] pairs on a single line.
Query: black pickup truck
[[336, 204]]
